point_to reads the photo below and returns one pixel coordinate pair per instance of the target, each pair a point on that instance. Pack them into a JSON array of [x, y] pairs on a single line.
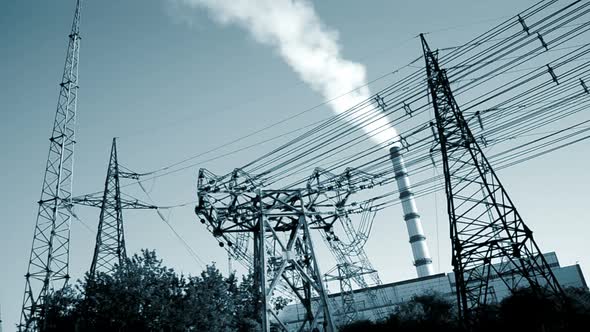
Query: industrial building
[[442, 283]]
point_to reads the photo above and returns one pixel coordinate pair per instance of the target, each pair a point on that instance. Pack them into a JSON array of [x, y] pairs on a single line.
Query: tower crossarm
[[93, 200]]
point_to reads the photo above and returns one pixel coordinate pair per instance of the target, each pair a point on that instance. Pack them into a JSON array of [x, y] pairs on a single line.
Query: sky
[[170, 83]]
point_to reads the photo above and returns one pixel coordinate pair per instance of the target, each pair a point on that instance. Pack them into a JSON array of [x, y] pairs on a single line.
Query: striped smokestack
[[422, 260]]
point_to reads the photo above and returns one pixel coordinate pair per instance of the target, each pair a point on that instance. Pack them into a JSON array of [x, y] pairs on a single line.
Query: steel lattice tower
[[110, 239], [353, 263], [284, 259], [345, 273], [489, 238], [48, 263]]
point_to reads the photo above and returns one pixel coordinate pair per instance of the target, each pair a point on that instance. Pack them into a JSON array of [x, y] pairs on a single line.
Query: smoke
[[311, 49]]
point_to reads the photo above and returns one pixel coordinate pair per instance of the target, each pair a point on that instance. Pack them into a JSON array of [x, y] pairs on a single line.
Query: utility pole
[[49, 259], [489, 237]]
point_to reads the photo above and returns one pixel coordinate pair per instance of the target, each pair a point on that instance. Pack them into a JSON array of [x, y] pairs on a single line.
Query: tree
[[210, 302], [361, 325], [425, 312], [246, 298], [144, 295], [578, 306], [61, 307], [138, 296]]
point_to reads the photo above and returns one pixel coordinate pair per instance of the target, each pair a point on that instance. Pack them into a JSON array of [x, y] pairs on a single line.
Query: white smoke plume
[[311, 49]]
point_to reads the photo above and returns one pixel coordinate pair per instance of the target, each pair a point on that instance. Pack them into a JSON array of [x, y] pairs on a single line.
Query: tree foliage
[[524, 310], [424, 312], [144, 295]]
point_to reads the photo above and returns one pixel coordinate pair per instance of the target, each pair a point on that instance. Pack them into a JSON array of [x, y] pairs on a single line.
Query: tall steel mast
[[110, 238], [489, 237], [48, 263]]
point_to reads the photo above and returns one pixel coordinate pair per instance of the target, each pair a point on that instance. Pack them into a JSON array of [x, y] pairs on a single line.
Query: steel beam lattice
[[488, 236], [110, 237], [347, 241], [285, 264], [49, 260]]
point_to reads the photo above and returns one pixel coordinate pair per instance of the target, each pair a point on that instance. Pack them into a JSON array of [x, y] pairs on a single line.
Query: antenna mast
[[48, 263]]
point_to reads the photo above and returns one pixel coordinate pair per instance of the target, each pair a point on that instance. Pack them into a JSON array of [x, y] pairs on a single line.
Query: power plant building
[[443, 283]]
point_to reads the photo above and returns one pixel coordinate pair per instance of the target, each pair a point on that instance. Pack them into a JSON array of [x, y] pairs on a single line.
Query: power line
[[185, 244]]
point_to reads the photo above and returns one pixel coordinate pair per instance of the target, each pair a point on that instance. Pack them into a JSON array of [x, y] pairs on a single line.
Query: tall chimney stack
[[422, 260]]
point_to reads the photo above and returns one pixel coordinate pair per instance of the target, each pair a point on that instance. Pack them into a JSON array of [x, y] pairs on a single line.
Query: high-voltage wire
[[548, 92], [188, 248], [334, 137], [306, 152], [463, 50]]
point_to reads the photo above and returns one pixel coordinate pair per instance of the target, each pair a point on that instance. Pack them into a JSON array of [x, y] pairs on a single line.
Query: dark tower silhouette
[[488, 236], [110, 238]]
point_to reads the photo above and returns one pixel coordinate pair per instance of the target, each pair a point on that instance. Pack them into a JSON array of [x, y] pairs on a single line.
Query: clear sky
[[171, 83]]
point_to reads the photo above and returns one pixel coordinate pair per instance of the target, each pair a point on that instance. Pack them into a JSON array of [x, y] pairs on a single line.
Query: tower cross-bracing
[[110, 236], [48, 266], [279, 221], [488, 236]]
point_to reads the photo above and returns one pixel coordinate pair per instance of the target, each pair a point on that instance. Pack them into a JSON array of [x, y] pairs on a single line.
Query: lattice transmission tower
[[284, 259], [110, 237], [277, 223], [346, 274], [346, 239], [110, 249], [489, 237], [49, 259]]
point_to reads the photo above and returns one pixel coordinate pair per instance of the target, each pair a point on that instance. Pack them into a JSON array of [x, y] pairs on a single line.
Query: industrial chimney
[[422, 260]]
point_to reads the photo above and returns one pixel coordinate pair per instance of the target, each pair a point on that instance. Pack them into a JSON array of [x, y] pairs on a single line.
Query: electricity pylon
[[345, 273], [49, 259], [347, 241], [236, 209], [490, 241], [284, 259], [110, 237]]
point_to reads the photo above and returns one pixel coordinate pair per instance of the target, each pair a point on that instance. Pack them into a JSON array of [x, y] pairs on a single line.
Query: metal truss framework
[[345, 273], [110, 237], [488, 236], [348, 310], [348, 248], [49, 259], [222, 204], [285, 264]]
